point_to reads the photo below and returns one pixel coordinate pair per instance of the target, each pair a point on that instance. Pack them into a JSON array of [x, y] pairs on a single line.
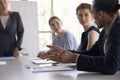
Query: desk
[[15, 70]]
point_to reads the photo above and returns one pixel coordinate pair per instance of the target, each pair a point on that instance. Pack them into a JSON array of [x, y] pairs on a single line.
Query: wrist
[[72, 56], [76, 59]]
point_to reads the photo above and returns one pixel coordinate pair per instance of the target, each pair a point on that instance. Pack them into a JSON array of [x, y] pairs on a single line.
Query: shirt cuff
[[77, 58]]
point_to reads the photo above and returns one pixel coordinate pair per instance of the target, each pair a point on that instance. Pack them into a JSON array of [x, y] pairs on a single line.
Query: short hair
[[54, 17], [109, 6], [84, 6]]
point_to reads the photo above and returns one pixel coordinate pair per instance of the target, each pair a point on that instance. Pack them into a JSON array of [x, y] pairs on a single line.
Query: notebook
[[50, 69], [43, 61]]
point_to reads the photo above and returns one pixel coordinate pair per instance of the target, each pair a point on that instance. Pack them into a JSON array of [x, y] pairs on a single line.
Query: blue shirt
[[66, 41]]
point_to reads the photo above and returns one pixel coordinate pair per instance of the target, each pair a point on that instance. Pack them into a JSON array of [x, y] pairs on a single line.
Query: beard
[[99, 25]]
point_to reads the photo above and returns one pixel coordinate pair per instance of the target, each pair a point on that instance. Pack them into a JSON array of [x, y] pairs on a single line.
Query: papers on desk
[[50, 69], [50, 66], [43, 61], [32, 58], [3, 62], [6, 58]]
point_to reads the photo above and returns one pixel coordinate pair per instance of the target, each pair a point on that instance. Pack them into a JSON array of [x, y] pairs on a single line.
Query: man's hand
[[58, 54], [42, 55]]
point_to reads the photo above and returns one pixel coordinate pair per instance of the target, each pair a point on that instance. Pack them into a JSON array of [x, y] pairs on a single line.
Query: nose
[[55, 26], [83, 18]]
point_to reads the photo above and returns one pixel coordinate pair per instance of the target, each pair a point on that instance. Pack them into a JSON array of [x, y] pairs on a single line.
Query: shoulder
[[115, 27], [93, 33], [116, 24], [67, 34], [114, 33], [14, 12], [94, 28]]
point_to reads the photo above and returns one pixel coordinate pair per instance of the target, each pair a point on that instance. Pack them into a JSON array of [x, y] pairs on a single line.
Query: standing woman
[[11, 31], [62, 38], [91, 33]]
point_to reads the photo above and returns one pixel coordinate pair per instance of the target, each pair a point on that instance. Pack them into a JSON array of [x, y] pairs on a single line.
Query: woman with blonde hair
[[11, 31]]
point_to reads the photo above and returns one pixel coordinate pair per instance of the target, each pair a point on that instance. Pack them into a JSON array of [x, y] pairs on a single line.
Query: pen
[[56, 54]]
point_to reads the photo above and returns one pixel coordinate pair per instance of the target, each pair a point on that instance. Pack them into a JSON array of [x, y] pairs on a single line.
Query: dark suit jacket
[[95, 60], [11, 37]]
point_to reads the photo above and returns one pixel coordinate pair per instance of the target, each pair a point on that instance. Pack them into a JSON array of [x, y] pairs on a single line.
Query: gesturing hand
[[60, 55]]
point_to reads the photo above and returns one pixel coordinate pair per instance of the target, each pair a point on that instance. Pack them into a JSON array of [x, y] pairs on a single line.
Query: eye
[[57, 23], [53, 25], [80, 15], [1, 3], [5, 1]]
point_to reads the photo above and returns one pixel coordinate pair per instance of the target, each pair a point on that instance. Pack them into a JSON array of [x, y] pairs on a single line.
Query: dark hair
[[54, 17], [83, 6], [109, 6]]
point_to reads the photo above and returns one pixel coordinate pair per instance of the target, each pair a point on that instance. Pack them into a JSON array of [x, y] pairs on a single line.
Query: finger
[[54, 58], [38, 55], [50, 52], [51, 47]]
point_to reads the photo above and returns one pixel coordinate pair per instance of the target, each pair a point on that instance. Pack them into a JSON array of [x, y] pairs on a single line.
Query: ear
[[101, 14]]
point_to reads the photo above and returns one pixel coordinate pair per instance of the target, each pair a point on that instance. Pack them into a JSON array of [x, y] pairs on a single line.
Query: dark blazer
[[95, 60], [11, 37]]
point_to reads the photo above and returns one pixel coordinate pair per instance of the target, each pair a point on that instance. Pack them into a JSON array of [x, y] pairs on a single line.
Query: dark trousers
[[7, 54]]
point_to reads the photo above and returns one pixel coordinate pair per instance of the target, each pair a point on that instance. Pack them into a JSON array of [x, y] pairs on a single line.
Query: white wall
[[28, 12]]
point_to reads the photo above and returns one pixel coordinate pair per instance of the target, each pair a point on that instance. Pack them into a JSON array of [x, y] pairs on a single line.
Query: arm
[[92, 38], [20, 31], [107, 64], [95, 48], [92, 51], [70, 42]]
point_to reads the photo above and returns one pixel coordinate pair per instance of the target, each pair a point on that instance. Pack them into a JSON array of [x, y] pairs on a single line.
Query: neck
[[60, 33], [86, 27], [5, 13]]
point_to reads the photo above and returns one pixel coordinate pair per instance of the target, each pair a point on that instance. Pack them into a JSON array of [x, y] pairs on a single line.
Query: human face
[[56, 25], [99, 19], [3, 5], [85, 17]]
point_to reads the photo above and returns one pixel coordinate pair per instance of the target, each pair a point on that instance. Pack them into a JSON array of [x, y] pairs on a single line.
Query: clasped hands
[[58, 54]]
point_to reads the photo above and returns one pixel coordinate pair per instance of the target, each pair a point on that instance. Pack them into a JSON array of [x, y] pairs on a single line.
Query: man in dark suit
[[104, 56]]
